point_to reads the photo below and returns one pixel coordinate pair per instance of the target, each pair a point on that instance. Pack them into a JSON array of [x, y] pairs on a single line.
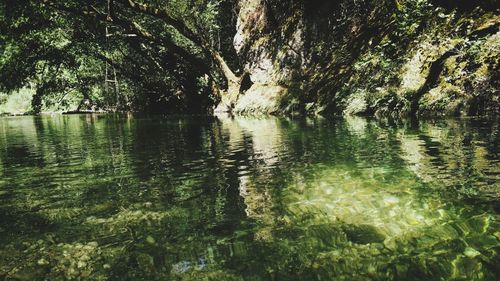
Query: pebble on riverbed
[[471, 252]]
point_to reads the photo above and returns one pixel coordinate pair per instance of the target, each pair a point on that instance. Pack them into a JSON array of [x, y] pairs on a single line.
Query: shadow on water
[[125, 198]]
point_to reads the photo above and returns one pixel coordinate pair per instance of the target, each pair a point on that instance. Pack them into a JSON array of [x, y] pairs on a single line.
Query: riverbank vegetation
[[391, 57]]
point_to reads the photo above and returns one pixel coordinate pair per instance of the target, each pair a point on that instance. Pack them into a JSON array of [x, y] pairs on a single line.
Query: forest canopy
[[116, 54]]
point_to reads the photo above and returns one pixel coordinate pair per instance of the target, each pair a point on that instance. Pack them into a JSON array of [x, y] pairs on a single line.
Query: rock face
[[389, 57], [271, 56]]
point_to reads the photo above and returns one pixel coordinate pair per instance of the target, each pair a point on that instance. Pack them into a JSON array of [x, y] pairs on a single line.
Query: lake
[[121, 197]]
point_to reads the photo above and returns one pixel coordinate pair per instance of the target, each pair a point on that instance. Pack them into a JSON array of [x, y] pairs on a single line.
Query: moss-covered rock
[[385, 58]]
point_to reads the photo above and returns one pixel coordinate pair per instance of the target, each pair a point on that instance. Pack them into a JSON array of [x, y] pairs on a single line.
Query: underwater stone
[[81, 264], [27, 274], [150, 240], [363, 234], [482, 241], [181, 267], [102, 208], [391, 200], [145, 262], [42, 261], [390, 244], [471, 252]]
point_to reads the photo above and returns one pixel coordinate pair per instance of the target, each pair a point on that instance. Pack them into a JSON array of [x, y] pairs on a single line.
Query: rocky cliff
[[366, 57]]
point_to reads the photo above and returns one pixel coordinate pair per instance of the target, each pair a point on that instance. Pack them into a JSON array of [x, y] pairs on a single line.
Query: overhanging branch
[[180, 26]]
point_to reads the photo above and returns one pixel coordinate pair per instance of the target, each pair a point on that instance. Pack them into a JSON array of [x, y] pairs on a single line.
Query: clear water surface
[[104, 197]]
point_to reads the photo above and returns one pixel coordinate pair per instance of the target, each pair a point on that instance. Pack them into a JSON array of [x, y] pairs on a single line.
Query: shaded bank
[[385, 58]]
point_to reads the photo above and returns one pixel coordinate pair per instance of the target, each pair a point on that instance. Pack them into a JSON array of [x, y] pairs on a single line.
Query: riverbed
[[121, 197]]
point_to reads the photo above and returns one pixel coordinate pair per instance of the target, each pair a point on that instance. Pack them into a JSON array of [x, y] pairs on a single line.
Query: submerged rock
[[145, 262], [471, 252], [363, 234], [150, 240]]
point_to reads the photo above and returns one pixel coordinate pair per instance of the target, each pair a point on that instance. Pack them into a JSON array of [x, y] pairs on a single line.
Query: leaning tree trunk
[[230, 96], [86, 102]]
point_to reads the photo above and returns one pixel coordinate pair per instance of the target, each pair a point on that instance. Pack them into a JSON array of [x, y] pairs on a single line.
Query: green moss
[[444, 99]]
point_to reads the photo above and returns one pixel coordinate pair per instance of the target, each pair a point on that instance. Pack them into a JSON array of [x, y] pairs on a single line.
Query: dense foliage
[[388, 57], [159, 58]]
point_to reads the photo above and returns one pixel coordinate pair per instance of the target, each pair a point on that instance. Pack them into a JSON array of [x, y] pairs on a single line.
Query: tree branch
[[181, 27], [134, 27]]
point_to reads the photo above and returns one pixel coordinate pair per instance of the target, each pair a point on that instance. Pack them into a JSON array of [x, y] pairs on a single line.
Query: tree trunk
[[86, 103], [230, 96]]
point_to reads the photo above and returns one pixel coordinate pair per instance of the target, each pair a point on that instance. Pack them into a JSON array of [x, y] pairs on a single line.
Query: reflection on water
[[103, 197]]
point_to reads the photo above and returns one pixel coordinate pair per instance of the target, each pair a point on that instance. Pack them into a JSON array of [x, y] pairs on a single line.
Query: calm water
[[123, 198]]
